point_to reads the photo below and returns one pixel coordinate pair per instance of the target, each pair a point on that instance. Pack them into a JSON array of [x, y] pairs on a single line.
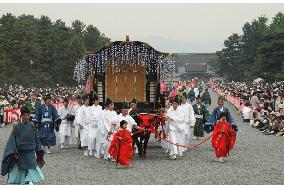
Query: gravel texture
[[256, 159]]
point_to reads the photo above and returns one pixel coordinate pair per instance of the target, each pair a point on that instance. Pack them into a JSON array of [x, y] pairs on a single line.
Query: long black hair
[[122, 123]]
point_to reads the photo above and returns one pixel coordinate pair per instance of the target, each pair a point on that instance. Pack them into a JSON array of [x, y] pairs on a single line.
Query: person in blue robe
[[47, 120], [213, 118], [23, 155]]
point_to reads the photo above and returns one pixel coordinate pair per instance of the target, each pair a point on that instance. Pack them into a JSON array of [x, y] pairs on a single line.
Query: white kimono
[[65, 132], [176, 130], [76, 124], [107, 118], [189, 119], [196, 91], [165, 145], [130, 122], [94, 116], [83, 119]]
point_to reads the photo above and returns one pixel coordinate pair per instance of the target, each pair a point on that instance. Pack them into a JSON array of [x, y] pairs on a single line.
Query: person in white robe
[[247, 113], [83, 122], [196, 91], [65, 112], [125, 116], [176, 121], [131, 123], [165, 145], [76, 124], [106, 129], [95, 112], [189, 118]]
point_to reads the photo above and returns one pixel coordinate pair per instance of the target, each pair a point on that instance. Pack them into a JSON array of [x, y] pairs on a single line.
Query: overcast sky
[[190, 28]]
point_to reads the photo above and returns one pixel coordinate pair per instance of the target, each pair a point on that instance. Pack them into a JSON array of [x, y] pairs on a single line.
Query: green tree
[[94, 39], [258, 52], [270, 55], [39, 52], [229, 58]]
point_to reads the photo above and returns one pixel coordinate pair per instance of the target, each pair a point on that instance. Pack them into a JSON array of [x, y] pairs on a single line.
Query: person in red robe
[[223, 137], [121, 145]]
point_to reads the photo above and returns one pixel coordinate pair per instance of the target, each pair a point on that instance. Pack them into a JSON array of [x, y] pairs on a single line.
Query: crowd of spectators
[[262, 104], [14, 96]]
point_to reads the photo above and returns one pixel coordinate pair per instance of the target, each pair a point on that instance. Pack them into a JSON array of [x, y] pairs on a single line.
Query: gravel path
[[256, 159]]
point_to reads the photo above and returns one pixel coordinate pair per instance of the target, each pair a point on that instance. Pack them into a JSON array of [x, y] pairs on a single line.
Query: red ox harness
[[151, 122]]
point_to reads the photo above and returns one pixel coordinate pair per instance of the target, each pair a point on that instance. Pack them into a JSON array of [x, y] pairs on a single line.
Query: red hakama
[[121, 147], [223, 138]]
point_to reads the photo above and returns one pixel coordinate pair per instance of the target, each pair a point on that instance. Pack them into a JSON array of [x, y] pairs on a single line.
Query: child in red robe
[[121, 145], [223, 137]]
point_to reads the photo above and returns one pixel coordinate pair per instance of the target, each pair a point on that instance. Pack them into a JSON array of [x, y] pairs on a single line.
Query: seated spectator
[[267, 108], [278, 125], [267, 129], [280, 107], [247, 113], [281, 128]]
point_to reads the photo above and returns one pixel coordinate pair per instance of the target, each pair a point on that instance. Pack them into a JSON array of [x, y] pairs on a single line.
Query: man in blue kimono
[[23, 155], [212, 120], [47, 120]]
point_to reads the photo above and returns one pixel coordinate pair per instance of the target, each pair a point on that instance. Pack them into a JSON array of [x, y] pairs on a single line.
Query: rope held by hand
[[185, 146], [181, 145]]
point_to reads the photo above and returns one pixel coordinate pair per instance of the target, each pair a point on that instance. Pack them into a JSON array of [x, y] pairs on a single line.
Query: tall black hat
[[96, 97], [85, 97], [134, 100], [184, 95], [124, 106], [108, 101], [176, 100]]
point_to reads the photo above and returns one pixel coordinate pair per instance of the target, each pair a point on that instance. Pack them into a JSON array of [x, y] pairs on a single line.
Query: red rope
[[185, 146], [181, 145]]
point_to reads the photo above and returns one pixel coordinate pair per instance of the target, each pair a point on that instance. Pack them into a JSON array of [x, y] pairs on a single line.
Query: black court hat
[[108, 101], [96, 97], [85, 97], [134, 100], [124, 106], [176, 100]]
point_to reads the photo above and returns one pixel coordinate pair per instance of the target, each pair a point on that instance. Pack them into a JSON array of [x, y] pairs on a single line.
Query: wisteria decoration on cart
[[118, 55]]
